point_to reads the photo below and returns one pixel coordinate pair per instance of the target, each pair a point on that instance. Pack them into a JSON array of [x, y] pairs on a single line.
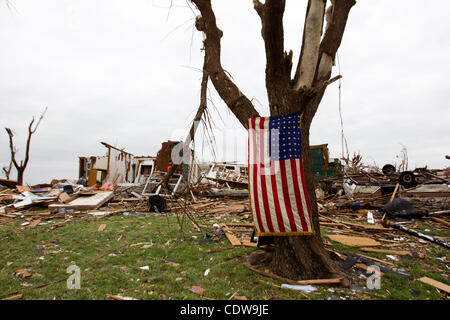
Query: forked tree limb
[[23, 163], [31, 130], [294, 257], [236, 101]]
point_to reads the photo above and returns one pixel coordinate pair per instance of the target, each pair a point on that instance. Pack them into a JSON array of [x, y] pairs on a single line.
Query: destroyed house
[[117, 166]]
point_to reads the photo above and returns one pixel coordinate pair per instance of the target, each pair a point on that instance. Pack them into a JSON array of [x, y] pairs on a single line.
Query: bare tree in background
[[23, 163], [7, 170], [295, 257]]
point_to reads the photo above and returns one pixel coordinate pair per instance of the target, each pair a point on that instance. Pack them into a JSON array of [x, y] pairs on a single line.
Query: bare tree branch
[[37, 124], [236, 101], [12, 148], [271, 14], [333, 36], [278, 62], [309, 55], [23, 163], [7, 170]]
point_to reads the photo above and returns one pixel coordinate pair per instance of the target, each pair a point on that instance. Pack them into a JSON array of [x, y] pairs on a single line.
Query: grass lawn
[[110, 262]]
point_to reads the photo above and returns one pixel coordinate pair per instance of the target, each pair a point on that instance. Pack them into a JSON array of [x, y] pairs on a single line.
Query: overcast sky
[[127, 72]]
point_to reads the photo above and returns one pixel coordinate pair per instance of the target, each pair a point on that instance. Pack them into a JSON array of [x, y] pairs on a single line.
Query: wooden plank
[[335, 221], [378, 260], [441, 221], [355, 241], [248, 225], [436, 284], [320, 281], [196, 227], [8, 215], [396, 252], [218, 250], [365, 267], [65, 198], [395, 191], [128, 200], [90, 203], [16, 297], [22, 188], [231, 237], [301, 282], [33, 224], [374, 227]]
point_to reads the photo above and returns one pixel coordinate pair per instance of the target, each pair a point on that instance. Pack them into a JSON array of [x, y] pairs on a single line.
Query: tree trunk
[[304, 257], [20, 172], [300, 257]]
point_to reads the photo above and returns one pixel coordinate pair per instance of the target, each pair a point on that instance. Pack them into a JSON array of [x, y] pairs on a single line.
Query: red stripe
[[298, 194], [276, 201], [287, 201], [255, 178], [263, 176]]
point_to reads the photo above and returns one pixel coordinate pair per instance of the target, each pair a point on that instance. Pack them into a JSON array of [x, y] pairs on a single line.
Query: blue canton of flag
[[285, 137]]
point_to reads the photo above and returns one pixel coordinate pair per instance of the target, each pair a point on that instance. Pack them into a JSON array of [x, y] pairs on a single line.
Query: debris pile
[[367, 218]]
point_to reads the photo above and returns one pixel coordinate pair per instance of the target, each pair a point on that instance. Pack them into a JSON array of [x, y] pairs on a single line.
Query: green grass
[[110, 264], [394, 287]]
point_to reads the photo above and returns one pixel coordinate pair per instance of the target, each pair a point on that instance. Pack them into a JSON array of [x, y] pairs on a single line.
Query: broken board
[[396, 252], [230, 236], [436, 284], [86, 203], [355, 241]]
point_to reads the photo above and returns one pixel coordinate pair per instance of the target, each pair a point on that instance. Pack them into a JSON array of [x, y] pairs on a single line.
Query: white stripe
[[290, 183], [268, 176], [258, 173], [302, 193], [284, 215]]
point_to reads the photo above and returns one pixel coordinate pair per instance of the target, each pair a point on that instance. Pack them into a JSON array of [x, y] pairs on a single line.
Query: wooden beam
[[436, 284]]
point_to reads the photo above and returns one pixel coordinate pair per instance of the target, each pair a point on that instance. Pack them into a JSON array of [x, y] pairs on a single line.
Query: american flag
[[278, 196]]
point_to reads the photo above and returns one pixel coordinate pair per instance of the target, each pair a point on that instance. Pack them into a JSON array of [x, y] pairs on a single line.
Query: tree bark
[[299, 257], [20, 172], [304, 257]]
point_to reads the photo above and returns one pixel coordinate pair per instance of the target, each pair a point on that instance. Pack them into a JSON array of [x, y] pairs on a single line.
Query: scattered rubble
[[372, 212]]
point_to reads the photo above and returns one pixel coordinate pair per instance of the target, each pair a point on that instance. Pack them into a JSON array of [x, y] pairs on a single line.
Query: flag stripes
[[278, 196]]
